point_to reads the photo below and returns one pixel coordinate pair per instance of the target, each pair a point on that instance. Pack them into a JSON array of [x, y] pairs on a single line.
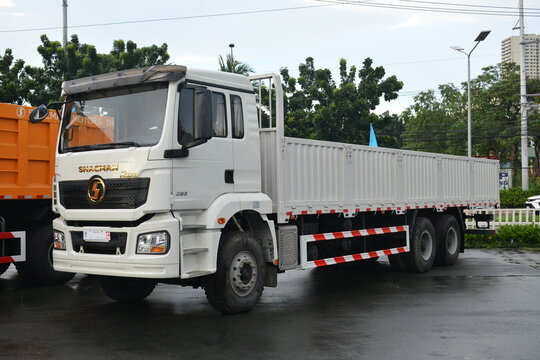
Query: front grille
[[117, 242], [120, 194]]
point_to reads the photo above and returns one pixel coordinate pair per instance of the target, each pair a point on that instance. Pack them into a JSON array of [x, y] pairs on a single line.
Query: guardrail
[[505, 217]]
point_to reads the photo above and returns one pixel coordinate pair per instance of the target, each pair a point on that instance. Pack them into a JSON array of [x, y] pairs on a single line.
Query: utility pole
[[523, 103], [65, 5]]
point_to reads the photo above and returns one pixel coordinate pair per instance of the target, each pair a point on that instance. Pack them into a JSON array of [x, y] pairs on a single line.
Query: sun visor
[[161, 73]]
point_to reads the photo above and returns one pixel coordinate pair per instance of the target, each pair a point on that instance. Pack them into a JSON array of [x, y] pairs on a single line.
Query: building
[[510, 52]]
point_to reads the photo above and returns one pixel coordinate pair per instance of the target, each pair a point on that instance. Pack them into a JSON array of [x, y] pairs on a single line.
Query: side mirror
[[39, 114], [203, 127]]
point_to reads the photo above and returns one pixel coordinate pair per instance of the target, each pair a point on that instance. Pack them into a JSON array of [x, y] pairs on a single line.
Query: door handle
[[229, 176]]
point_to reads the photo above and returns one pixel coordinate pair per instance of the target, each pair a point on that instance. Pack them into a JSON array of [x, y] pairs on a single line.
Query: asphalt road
[[485, 307]]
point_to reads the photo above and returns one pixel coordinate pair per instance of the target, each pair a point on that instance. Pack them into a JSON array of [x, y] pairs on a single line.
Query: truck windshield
[[112, 118]]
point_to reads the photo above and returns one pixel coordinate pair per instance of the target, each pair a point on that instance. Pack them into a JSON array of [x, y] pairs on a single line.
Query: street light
[[231, 45], [481, 37]]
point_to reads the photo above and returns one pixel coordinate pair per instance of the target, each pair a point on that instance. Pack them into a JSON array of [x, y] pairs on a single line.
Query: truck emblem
[[96, 189]]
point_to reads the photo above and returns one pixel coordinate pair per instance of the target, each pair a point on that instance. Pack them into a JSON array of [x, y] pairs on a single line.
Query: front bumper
[[128, 263]]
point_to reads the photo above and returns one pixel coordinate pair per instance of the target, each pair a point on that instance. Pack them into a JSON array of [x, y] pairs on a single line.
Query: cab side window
[[219, 114], [237, 116]]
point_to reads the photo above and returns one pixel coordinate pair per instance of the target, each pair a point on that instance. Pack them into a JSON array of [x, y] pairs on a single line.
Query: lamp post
[[231, 45], [481, 37]]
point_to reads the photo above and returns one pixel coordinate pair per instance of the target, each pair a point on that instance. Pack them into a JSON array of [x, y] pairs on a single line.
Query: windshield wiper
[[102, 146]]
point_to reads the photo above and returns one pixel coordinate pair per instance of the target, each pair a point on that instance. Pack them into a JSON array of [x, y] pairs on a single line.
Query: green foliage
[[12, 76], [232, 65], [40, 85], [508, 236], [317, 107], [515, 197]]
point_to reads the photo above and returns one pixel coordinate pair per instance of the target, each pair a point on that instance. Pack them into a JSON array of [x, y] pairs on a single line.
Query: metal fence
[[505, 217]]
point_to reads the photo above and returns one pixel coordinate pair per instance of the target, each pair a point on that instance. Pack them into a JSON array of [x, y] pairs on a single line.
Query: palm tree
[[234, 66]]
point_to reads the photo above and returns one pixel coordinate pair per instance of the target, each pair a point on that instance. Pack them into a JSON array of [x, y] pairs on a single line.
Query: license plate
[[96, 235]]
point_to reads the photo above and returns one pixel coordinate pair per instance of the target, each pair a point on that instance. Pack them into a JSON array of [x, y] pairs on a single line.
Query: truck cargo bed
[[311, 177]]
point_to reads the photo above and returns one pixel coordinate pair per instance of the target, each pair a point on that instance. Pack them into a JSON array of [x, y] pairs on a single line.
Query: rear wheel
[[423, 246], [448, 240], [38, 267], [124, 289], [4, 267], [238, 282]]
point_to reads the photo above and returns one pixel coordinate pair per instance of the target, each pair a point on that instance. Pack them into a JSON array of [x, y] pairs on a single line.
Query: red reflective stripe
[[345, 210], [357, 257], [6, 235], [288, 213], [340, 259], [386, 230], [319, 211], [319, 237], [6, 259], [356, 233], [368, 209], [332, 211], [373, 254], [338, 235], [400, 228], [388, 208], [401, 250], [304, 212], [371, 232], [387, 252], [320, 262]]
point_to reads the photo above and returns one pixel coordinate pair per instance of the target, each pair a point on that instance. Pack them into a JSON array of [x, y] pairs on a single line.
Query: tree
[[38, 85], [234, 66], [316, 107], [12, 76]]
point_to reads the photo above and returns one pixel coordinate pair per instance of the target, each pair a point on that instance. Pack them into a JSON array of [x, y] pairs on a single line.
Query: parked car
[[533, 202]]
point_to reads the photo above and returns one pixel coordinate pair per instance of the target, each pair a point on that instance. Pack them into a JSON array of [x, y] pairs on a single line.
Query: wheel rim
[[426, 245], [243, 273], [451, 241]]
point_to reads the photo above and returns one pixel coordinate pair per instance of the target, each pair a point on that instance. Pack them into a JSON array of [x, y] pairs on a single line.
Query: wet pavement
[[485, 307]]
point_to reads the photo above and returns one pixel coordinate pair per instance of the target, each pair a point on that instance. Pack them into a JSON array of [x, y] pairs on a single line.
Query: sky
[[411, 44]]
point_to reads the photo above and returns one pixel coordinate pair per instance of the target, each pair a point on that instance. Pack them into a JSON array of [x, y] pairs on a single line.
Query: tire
[[38, 267], [124, 289], [238, 282], [423, 247], [448, 236], [4, 267]]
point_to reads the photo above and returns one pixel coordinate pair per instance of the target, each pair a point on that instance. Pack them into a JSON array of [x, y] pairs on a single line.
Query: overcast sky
[[411, 44]]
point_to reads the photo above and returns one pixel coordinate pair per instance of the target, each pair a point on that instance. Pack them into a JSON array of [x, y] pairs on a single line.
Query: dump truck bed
[[27, 153]]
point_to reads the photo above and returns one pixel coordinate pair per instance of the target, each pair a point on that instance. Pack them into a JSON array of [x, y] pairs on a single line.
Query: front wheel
[[238, 282], [124, 289], [38, 267]]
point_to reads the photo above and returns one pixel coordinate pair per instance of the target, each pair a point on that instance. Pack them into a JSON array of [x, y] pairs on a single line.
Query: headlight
[[59, 240], [153, 243]]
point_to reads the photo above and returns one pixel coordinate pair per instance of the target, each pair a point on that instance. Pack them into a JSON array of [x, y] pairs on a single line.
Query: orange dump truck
[[27, 153]]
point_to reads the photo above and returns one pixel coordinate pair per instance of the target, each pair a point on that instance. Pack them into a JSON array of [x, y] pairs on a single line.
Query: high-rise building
[[510, 52]]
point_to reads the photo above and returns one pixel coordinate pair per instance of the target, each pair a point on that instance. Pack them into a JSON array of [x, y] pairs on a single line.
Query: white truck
[[175, 175]]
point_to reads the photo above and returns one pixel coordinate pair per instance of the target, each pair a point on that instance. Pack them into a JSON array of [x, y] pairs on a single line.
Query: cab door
[[204, 172]]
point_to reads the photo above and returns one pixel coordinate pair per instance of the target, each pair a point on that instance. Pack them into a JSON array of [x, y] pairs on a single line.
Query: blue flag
[[372, 137]]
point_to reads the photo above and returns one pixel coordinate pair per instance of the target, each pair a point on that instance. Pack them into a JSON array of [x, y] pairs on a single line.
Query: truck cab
[[152, 165]]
